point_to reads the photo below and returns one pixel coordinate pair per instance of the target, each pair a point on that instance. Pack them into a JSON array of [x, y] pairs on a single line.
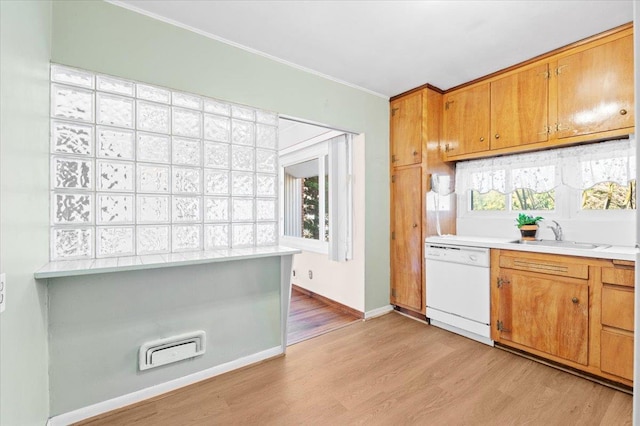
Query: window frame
[[318, 151], [568, 202], [465, 201]]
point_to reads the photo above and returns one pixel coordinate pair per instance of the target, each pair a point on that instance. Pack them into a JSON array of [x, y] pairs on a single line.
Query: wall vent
[[171, 349]]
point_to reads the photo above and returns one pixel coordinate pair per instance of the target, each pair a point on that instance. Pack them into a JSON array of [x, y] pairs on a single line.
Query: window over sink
[[590, 178]]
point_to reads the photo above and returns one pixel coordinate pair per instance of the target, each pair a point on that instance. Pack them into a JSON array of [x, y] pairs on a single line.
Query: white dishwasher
[[458, 300]]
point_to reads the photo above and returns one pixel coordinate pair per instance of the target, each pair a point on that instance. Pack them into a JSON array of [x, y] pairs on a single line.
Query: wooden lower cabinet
[[546, 314], [570, 310], [617, 321], [616, 354]]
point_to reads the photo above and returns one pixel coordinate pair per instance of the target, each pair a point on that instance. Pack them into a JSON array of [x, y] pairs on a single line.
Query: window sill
[[69, 268]]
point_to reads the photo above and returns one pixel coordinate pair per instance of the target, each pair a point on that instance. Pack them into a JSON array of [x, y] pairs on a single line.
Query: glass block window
[[139, 169]]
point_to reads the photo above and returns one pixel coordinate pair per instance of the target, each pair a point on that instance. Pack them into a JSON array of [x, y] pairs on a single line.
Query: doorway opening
[[322, 213]]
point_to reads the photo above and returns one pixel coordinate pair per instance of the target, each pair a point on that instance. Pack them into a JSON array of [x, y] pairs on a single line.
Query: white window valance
[[578, 167]]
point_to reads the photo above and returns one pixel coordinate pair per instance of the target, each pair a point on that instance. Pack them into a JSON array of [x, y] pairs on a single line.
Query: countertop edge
[[71, 268], [612, 252]]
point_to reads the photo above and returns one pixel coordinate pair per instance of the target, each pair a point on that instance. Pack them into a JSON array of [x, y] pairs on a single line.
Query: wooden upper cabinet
[[519, 108], [406, 239], [466, 121], [595, 89], [406, 130], [580, 93]]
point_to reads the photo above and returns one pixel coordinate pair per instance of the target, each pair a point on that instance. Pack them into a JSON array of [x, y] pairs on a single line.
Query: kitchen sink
[[562, 244]]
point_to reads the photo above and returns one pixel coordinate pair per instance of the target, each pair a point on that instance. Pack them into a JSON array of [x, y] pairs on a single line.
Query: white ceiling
[[388, 47]]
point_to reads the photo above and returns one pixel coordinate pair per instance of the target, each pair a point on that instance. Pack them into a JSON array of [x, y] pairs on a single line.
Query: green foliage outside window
[[310, 208], [610, 196], [521, 199], [527, 199], [492, 200]]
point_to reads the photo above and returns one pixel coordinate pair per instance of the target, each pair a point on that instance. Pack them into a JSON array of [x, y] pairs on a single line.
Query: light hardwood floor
[[310, 317], [390, 370]]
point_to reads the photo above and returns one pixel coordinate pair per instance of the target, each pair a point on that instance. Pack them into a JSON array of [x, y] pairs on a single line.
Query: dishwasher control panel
[[458, 254]]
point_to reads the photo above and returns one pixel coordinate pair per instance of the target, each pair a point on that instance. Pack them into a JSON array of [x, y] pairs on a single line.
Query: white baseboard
[[138, 396], [377, 312]]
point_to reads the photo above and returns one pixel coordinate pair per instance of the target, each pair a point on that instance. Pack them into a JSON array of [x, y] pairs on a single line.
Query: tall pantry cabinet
[[415, 157]]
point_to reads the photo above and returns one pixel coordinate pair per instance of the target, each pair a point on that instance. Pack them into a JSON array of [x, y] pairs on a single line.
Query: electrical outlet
[[3, 292], [310, 274]]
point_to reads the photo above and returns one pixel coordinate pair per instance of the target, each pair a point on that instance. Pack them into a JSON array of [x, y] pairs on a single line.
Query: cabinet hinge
[[393, 179], [547, 131], [501, 282], [394, 158], [446, 104], [545, 74], [393, 292], [393, 235], [500, 326], [393, 111]]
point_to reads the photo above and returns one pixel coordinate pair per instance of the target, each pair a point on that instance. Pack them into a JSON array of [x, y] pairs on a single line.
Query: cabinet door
[[546, 313], [595, 89], [406, 241], [466, 121], [616, 354], [406, 130], [519, 106]]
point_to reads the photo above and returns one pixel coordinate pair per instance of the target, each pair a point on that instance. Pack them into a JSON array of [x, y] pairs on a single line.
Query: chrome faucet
[[557, 230]]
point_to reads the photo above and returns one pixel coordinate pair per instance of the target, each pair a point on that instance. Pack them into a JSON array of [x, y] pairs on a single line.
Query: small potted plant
[[528, 226]]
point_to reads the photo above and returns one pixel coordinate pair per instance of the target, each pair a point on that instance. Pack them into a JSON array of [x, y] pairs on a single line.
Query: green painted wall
[[102, 37], [98, 322], [25, 45]]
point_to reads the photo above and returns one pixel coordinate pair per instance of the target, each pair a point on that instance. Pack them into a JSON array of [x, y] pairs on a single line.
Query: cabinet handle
[[623, 112], [415, 225], [497, 136], [575, 300], [415, 152], [482, 139]]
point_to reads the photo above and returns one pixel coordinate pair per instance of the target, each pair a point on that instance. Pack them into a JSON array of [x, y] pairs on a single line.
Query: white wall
[[340, 281], [619, 230]]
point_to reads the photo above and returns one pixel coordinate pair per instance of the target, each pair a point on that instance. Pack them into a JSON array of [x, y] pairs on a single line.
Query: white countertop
[[605, 252], [68, 268]]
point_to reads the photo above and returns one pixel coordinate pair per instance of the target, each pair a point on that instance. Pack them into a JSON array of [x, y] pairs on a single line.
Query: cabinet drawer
[[618, 276], [617, 308], [544, 266], [616, 354]]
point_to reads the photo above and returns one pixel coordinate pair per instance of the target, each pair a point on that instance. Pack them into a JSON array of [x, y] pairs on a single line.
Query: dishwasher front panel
[[458, 289]]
